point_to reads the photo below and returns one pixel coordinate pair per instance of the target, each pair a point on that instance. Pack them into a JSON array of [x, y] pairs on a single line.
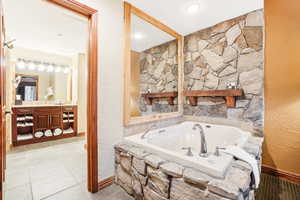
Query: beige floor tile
[[19, 193], [73, 193], [48, 187], [46, 169], [17, 178]]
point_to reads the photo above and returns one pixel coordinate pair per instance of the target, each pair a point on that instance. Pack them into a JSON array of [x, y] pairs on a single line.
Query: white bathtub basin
[[168, 143]]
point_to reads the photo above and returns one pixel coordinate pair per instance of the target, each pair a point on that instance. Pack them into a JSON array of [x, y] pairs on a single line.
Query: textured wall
[[229, 52], [282, 86], [159, 73]]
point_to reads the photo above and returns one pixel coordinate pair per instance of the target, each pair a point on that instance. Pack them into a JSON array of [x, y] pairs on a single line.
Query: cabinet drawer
[[22, 110], [69, 108], [48, 110]]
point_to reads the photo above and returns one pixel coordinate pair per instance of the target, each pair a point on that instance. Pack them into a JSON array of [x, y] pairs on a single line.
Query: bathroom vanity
[[40, 123]]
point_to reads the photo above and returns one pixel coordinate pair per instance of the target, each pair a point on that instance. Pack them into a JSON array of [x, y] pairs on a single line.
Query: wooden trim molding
[[106, 183], [281, 174], [81, 134], [92, 87], [127, 119]]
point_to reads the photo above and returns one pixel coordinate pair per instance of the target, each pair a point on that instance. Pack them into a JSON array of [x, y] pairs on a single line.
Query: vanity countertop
[[42, 105]]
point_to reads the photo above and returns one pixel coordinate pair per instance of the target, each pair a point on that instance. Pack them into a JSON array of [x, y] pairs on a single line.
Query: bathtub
[[168, 143]]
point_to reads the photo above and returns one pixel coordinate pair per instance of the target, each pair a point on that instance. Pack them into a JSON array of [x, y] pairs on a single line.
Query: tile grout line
[[50, 195]]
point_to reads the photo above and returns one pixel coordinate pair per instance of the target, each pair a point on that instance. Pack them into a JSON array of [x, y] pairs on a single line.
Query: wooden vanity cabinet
[[47, 118], [30, 120]]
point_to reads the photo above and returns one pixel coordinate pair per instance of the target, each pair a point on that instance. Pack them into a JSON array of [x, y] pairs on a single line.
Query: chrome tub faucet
[[203, 148], [148, 130]]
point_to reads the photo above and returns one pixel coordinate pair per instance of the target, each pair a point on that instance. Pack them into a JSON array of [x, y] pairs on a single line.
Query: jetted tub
[[168, 143]]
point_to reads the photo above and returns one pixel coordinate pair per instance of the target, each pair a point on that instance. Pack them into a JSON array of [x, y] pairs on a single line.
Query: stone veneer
[[158, 73], [229, 52], [146, 176]]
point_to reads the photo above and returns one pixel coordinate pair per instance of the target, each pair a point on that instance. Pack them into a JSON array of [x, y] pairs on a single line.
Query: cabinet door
[[55, 121], [42, 121]]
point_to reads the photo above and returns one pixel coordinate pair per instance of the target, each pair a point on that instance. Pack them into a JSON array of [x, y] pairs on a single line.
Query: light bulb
[[58, 69], [50, 68], [21, 65], [66, 70], [41, 67], [31, 66]]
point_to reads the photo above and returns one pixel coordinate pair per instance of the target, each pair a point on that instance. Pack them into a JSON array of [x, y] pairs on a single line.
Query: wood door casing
[[2, 104]]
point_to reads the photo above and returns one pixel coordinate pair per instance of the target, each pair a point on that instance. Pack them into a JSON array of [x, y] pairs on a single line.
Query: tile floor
[[52, 171]]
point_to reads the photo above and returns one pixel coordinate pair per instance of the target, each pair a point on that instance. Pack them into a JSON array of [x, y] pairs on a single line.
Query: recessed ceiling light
[[193, 8], [138, 36]]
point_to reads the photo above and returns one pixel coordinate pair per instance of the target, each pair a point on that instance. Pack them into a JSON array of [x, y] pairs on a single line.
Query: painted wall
[[282, 86], [231, 52], [110, 85]]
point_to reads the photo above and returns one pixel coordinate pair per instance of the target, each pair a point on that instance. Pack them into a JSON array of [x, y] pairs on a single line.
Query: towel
[[57, 132], [241, 154], [38, 134], [48, 133]]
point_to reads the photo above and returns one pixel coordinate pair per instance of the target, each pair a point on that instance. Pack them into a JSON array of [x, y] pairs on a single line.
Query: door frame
[[92, 87]]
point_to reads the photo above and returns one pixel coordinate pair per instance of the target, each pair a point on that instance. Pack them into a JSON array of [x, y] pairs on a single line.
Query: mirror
[[27, 87], [42, 85], [152, 68]]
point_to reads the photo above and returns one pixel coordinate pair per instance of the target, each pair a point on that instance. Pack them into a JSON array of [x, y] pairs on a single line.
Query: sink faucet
[[148, 130], [203, 149]]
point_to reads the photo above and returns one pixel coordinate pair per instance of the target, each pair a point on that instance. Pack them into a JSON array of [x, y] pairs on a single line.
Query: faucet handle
[[217, 152], [189, 151]]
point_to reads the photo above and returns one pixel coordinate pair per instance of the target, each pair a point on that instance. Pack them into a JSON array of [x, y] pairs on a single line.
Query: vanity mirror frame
[[128, 120]]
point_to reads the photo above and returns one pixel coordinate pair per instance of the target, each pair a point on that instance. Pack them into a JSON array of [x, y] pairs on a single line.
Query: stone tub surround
[[147, 176], [231, 51], [159, 73]]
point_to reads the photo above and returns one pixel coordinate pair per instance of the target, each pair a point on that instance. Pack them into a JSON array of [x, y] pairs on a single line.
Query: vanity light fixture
[[41, 67], [57, 69], [50, 68], [21, 64], [31, 66]]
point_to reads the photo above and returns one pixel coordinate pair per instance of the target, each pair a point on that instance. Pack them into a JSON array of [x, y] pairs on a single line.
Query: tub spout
[[148, 130], [203, 148]]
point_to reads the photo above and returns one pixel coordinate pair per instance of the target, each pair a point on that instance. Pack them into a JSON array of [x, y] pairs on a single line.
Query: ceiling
[[45, 27], [173, 14]]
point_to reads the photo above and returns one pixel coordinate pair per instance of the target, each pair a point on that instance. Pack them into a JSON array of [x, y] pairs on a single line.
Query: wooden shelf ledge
[[229, 95], [169, 95]]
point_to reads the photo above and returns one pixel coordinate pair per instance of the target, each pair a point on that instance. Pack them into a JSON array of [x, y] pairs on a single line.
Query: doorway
[[52, 118]]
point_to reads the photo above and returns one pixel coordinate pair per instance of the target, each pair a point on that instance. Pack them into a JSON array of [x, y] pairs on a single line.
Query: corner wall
[[110, 81], [282, 86]]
